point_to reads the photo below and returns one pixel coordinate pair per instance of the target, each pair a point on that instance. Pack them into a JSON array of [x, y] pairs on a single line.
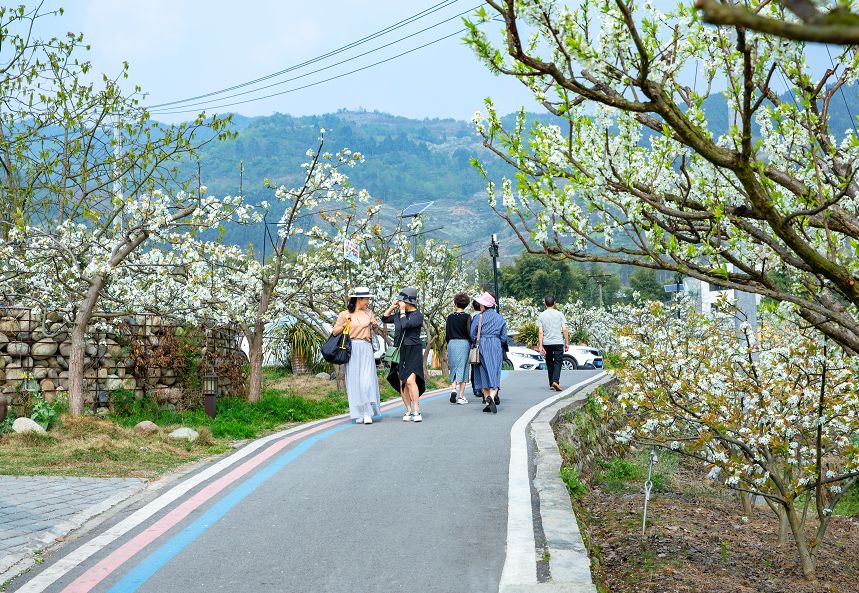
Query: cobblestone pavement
[[33, 506]]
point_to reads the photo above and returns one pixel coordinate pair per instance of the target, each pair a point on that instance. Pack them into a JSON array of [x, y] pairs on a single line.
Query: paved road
[[332, 506]]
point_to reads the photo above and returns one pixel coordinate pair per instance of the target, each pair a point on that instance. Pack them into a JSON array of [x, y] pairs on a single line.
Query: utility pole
[[600, 279], [493, 253]]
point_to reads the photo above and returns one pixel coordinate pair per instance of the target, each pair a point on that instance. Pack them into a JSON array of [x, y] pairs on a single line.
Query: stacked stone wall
[[35, 349], [584, 438]]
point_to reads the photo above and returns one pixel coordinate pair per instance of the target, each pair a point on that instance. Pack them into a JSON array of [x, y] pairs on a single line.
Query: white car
[[581, 357], [525, 359]]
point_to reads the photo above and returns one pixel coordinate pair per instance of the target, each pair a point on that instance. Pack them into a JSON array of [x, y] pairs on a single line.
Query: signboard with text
[[351, 251]]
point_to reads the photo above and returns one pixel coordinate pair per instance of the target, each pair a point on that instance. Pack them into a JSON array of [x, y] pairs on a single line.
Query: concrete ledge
[[552, 587], [569, 565]]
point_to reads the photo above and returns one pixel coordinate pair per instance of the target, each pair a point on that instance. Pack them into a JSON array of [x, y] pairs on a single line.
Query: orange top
[[360, 328]]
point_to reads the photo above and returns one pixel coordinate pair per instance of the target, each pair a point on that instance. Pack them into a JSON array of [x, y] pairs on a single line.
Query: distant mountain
[[407, 161]]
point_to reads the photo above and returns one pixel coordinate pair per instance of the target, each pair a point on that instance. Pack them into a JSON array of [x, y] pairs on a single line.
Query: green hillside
[[407, 161]]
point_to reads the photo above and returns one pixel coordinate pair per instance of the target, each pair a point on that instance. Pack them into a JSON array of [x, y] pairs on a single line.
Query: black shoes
[[486, 409], [491, 405], [497, 401], [453, 397]]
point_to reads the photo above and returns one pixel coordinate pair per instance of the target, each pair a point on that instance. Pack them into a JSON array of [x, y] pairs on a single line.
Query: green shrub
[[43, 412], [575, 486], [6, 425], [529, 334], [579, 336], [124, 402], [621, 469], [614, 360]]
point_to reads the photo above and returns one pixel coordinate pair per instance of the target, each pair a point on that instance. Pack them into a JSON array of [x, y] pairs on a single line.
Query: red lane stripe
[[97, 573], [89, 579]]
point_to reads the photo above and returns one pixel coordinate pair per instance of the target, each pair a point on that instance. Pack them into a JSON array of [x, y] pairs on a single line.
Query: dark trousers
[[554, 358]]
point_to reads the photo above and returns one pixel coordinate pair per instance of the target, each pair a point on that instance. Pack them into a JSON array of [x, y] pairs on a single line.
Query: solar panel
[[415, 209]]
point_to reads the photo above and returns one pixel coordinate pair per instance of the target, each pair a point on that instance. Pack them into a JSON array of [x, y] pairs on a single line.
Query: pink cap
[[486, 300]]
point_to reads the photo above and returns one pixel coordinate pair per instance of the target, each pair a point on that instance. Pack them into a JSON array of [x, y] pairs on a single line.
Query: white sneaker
[[407, 417], [416, 417], [462, 400], [367, 419], [359, 420]]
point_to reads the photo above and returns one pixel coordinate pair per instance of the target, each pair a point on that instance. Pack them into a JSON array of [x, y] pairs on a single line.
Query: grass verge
[[99, 447], [106, 446]]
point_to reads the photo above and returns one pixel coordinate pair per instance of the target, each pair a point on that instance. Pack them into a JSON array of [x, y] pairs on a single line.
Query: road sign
[[673, 288], [351, 251]]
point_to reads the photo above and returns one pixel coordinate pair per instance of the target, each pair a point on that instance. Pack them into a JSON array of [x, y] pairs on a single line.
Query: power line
[[268, 86], [319, 82], [841, 88], [388, 29]]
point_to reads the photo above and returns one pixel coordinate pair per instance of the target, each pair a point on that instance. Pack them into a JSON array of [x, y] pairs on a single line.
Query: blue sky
[[182, 48]]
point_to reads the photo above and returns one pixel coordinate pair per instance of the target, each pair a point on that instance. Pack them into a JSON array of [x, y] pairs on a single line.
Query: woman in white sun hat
[[362, 382]]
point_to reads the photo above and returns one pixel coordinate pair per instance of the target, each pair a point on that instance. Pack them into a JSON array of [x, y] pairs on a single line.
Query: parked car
[[525, 359], [582, 357], [521, 357]]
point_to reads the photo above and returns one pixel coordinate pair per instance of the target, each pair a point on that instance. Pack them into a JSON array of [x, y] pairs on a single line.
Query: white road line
[[520, 566], [54, 572]]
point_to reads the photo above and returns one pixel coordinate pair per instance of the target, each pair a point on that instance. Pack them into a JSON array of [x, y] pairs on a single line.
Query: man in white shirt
[[554, 340]]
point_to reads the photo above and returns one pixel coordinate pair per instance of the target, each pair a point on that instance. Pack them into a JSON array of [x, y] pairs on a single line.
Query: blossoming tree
[[777, 414], [635, 171], [117, 262], [325, 211]]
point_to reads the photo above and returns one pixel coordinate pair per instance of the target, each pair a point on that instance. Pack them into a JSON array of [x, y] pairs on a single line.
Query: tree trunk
[[783, 525], [255, 379], [255, 356], [340, 377], [77, 384], [805, 559], [747, 503]]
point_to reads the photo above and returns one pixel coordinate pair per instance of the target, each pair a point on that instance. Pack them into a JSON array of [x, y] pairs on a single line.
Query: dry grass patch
[[97, 447], [307, 386]]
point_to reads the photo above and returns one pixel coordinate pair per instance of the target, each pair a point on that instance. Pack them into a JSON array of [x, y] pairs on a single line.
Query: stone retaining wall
[[584, 439], [35, 349]]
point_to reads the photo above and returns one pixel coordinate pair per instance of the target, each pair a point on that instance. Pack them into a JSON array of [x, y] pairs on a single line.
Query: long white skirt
[[362, 382]]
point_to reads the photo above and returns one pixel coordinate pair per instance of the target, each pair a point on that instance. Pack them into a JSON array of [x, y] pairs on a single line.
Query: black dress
[[407, 331]]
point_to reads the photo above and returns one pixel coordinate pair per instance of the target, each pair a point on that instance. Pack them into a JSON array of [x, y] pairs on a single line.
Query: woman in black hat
[[407, 376]]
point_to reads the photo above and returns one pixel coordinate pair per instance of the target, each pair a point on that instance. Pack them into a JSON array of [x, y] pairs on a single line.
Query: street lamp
[[676, 288], [411, 212], [210, 392]]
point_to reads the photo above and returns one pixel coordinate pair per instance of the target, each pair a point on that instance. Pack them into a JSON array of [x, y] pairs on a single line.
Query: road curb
[[569, 564]]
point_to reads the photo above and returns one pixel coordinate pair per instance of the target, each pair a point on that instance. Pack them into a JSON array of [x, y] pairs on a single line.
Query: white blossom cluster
[[750, 404], [633, 171]]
